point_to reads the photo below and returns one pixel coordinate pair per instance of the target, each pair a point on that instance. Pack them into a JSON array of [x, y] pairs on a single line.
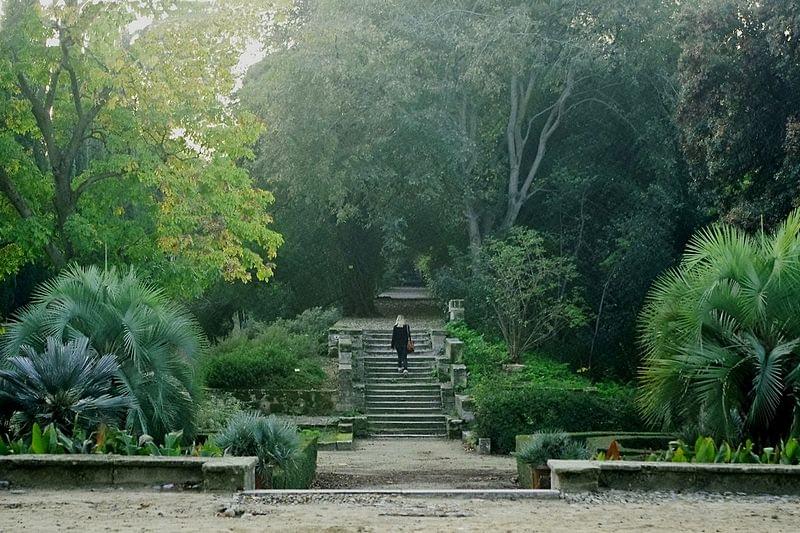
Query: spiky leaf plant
[[65, 385], [274, 441], [721, 334], [155, 341]]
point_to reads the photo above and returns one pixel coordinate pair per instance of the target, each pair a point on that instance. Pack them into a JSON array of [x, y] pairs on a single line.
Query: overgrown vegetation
[[155, 342], [287, 354], [274, 441], [545, 394], [722, 336], [546, 445], [67, 385]]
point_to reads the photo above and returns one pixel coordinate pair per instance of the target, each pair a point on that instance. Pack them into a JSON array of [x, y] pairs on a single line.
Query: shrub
[[274, 441], [502, 412], [274, 359], [155, 342], [313, 323], [526, 290], [546, 445], [215, 409], [722, 336], [68, 385]]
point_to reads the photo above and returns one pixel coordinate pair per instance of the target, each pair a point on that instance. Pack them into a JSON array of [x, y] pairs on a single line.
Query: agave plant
[[155, 342], [274, 441], [721, 334], [65, 385]]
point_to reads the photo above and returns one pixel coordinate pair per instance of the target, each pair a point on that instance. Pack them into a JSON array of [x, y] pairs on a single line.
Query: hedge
[[503, 413]]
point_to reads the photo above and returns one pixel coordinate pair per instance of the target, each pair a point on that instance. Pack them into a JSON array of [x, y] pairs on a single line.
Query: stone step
[[396, 377], [408, 427], [404, 410], [388, 367], [423, 418], [393, 435], [387, 334], [404, 397], [401, 404], [402, 385], [386, 358]]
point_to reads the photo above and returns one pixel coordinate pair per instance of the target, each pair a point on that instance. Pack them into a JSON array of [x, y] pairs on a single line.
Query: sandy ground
[[166, 512], [413, 463]]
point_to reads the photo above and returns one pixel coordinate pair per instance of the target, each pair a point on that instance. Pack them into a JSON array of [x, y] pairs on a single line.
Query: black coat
[[400, 336]]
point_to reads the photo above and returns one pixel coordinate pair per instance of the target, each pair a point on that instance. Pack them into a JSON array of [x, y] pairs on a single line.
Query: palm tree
[[721, 334], [155, 341], [65, 385]]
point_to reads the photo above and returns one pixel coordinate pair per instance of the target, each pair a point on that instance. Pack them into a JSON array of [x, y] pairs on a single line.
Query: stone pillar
[[454, 350], [437, 340], [454, 426], [345, 402], [484, 446], [458, 376], [447, 397], [345, 373], [455, 310], [333, 343], [465, 407]]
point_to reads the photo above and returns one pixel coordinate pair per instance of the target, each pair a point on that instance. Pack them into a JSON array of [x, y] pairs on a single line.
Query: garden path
[[413, 464], [165, 512]]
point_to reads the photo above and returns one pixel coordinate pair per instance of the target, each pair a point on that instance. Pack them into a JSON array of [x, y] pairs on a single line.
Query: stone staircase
[[397, 405]]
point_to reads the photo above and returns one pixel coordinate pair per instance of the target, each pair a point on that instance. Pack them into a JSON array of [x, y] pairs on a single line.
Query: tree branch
[[96, 178]]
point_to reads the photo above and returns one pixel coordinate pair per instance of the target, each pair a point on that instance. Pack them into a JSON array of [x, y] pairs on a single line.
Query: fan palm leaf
[[67, 383], [721, 334], [155, 342]]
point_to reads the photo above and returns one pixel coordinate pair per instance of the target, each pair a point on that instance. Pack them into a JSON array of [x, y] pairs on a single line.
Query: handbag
[[410, 344]]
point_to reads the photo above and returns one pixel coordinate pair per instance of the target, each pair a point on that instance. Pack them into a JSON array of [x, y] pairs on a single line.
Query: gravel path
[[116, 510], [413, 464]]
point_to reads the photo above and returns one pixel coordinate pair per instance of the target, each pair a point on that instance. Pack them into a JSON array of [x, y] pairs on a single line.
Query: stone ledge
[[580, 476], [78, 471]]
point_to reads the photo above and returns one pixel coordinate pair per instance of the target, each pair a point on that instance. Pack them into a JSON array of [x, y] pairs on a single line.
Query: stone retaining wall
[[287, 402], [229, 474], [581, 476]]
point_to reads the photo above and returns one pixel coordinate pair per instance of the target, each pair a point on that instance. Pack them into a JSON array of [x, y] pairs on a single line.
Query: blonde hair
[[400, 322]]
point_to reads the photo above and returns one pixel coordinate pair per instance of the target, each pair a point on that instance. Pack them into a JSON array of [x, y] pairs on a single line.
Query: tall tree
[[739, 106], [119, 139]]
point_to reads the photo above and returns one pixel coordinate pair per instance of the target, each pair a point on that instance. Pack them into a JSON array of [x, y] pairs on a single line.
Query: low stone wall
[[581, 476], [229, 474], [286, 402]]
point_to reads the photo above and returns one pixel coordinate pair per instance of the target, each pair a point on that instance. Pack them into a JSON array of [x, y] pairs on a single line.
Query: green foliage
[[215, 409], [504, 412], [738, 106], [68, 385], [107, 148], [299, 474], [528, 290], [313, 323], [546, 445], [705, 450], [273, 359], [106, 440], [274, 441], [721, 334], [155, 341]]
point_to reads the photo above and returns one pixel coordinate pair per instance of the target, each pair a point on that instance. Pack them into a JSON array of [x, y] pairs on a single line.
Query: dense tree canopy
[[118, 139]]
